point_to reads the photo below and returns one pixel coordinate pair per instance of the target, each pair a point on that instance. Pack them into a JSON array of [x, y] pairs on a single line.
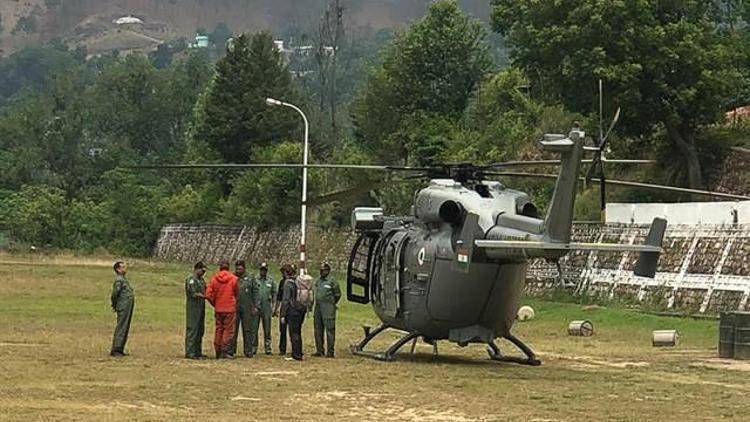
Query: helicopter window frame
[[356, 275]]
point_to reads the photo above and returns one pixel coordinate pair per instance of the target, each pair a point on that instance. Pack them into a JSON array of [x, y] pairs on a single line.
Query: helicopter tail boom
[[530, 245], [509, 249]]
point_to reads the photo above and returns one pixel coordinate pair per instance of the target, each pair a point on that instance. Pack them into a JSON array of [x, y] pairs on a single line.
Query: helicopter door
[[358, 270], [390, 273]]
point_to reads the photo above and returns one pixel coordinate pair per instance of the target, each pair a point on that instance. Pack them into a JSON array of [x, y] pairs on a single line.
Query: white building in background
[[128, 20], [201, 41], [730, 212]]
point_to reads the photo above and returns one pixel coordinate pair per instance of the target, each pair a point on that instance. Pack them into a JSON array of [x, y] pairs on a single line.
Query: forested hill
[[89, 22]]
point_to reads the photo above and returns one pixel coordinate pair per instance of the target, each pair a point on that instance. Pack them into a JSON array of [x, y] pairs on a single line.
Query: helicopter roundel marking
[[420, 256]]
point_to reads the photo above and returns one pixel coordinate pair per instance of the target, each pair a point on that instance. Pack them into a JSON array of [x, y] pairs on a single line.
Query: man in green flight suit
[[327, 295], [123, 302], [195, 312], [266, 298], [247, 308]]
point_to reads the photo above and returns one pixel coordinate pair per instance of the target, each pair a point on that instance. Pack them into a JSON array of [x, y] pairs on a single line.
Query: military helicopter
[[455, 268]]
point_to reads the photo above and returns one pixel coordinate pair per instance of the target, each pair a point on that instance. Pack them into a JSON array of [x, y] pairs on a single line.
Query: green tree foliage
[[187, 79], [36, 214], [43, 216], [31, 69], [666, 64], [129, 107], [432, 67], [232, 119], [191, 204], [268, 196], [134, 212], [63, 133], [499, 121], [162, 56]]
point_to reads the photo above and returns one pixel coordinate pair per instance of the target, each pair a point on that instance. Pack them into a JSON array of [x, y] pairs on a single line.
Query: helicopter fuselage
[[415, 281], [417, 289]]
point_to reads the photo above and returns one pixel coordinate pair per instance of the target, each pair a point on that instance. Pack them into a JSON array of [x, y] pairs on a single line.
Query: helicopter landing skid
[[389, 354], [494, 351]]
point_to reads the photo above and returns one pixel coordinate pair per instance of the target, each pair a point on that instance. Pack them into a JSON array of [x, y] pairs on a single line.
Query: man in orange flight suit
[[222, 294]]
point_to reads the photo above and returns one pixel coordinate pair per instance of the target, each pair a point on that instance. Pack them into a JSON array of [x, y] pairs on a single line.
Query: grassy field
[[56, 326]]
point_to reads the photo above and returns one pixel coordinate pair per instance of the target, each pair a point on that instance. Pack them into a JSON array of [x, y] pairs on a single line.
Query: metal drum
[[581, 328], [525, 313], [742, 335], [726, 335], [665, 338]]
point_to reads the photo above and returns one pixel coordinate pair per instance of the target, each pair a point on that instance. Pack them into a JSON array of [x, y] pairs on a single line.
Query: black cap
[[200, 266], [325, 266]]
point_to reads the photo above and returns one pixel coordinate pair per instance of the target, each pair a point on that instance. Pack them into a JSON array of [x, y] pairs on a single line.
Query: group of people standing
[[242, 302]]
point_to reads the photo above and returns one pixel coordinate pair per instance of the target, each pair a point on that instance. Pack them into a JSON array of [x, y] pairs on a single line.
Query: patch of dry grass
[[56, 326]]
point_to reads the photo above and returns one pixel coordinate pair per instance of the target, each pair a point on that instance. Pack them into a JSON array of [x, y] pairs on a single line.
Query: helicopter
[[455, 268]]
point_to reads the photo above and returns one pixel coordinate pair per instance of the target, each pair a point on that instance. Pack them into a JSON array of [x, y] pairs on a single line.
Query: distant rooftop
[[127, 20]]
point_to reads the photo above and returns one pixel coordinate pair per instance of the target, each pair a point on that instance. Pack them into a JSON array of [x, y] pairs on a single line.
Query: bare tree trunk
[[322, 71], [684, 140], [330, 35], [337, 34]]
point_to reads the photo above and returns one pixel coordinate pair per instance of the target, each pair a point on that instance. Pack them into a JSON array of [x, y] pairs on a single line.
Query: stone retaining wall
[[214, 242], [704, 268]]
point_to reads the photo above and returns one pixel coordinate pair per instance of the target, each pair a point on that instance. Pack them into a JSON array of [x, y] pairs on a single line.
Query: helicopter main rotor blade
[[278, 165], [358, 190], [531, 163], [631, 184], [611, 126]]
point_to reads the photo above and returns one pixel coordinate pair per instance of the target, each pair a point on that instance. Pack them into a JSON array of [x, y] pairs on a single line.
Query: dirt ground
[[56, 327]]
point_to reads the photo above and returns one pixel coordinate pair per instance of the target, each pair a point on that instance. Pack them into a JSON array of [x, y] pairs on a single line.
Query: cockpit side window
[[483, 190]]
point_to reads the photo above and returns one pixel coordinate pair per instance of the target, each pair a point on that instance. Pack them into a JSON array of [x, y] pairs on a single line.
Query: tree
[[162, 56], [129, 110], [499, 123], [31, 69], [187, 79], [433, 67], [219, 37], [262, 197], [666, 64], [231, 118]]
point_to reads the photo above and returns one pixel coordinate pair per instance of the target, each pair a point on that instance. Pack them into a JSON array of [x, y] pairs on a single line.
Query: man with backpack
[[296, 300]]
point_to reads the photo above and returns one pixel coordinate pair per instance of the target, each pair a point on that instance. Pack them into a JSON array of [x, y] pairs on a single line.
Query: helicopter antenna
[[602, 185], [601, 113]]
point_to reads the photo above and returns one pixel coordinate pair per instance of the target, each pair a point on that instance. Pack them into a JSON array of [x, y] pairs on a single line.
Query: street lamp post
[[302, 252]]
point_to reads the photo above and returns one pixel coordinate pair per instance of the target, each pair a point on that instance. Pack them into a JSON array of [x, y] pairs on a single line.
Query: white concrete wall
[[680, 213]]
